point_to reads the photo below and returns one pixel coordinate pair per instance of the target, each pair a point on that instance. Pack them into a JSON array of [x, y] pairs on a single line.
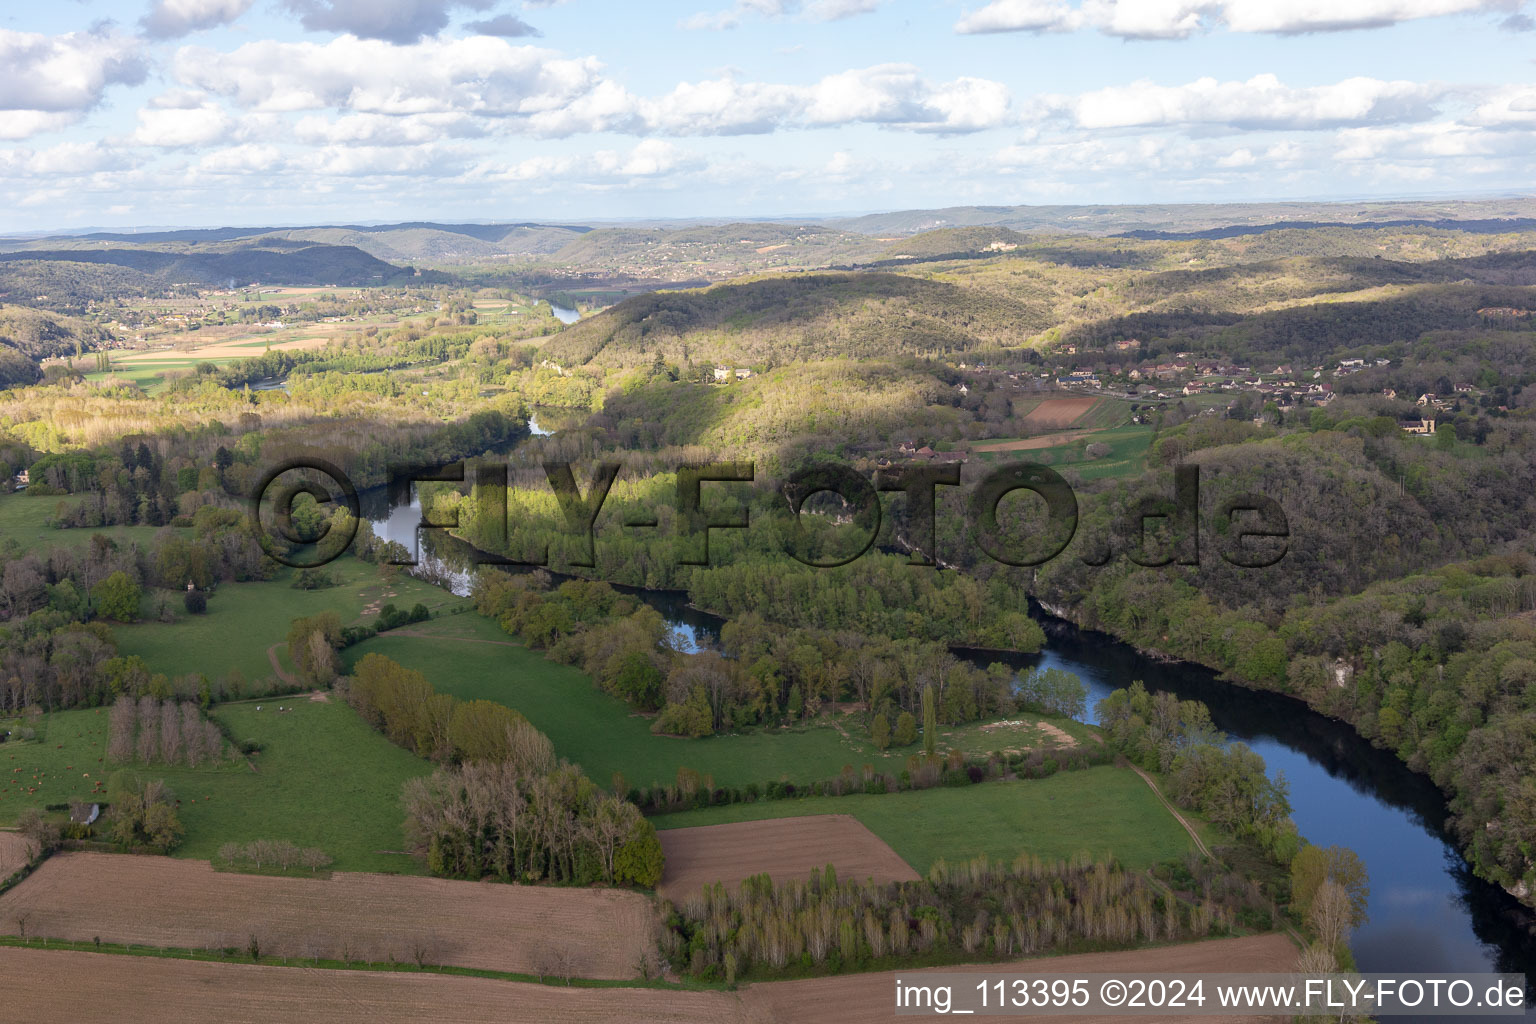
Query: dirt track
[[782, 847], [89, 988], [161, 901]]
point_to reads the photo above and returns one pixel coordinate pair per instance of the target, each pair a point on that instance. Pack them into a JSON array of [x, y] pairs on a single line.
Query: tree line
[[500, 805]]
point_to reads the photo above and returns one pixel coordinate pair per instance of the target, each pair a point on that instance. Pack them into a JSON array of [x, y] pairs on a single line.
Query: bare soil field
[[240, 347], [1031, 443], [1056, 413], [783, 848], [868, 998], [160, 901], [15, 851], [91, 988]]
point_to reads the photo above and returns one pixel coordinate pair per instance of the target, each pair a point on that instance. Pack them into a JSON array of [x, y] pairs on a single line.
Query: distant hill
[[957, 242], [1183, 219], [1494, 226], [270, 261], [793, 317], [28, 336], [71, 287], [409, 242]]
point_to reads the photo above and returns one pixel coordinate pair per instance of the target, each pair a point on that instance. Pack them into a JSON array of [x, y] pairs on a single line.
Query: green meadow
[[322, 778], [1101, 811]]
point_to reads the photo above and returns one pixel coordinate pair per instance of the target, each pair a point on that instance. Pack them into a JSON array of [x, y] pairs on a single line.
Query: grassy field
[[1127, 456], [245, 619], [24, 518], [1099, 810], [600, 732], [323, 778]]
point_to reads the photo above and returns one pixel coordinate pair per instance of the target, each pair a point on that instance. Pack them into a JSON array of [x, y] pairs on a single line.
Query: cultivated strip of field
[[783, 849], [160, 901], [15, 851], [868, 998], [1031, 443], [92, 988], [1056, 413]]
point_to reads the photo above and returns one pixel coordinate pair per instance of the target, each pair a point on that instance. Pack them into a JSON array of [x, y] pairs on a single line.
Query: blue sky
[[202, 112]]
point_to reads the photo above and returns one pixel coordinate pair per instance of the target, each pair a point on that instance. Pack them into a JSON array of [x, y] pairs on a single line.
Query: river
[[1427, 911]]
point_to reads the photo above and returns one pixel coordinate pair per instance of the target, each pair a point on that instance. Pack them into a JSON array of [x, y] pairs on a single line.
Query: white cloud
[[892, 95], [538, 92], [1512, 106], [1261, 102], [478, 75], [169, 19], [247, 158], [651, 159], [398, 21], [505, 25], [1422, 142], [815, 10], [23, 124], [384, 130], [50, 81], [1179, 19], [66, 159], [1022, 16], [1294, 16], [177, 119]]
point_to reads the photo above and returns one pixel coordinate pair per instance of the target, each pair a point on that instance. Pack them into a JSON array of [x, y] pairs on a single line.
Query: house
[[1462, 389], [1418, 426], [963, 389], [722, 373], [1389, 392]]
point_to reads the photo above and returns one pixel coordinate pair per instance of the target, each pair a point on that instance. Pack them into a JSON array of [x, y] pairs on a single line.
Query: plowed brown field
[[782, 847], [1056, 413], [87, 988], [15, 851], [160, 901], [90, 988], [870, 998]]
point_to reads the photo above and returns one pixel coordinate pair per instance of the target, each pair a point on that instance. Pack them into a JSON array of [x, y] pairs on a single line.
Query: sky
[[119, 113]]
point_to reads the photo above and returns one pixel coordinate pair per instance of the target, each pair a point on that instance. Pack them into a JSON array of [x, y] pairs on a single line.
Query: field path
[[1199, 843], [460, 639], [277, 665]]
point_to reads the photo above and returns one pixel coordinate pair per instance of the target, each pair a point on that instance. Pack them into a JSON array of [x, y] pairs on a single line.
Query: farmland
[[1104, 810], [865, 998], [245, 619], [165, 902], [471, 658], [322, 779], [24, 518], [90, 989], [783, 848], [15, 851]]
